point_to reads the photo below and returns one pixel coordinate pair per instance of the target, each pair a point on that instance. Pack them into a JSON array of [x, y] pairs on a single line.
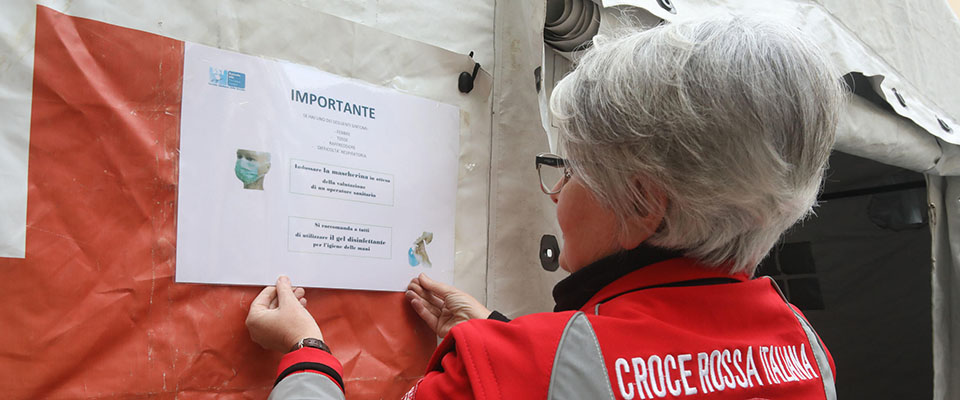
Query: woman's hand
[[442, 306], [278, 320]]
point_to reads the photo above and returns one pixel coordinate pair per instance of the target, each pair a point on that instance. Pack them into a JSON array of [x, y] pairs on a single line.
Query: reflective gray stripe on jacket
[[816, 346], [578, 368], [306, 385]]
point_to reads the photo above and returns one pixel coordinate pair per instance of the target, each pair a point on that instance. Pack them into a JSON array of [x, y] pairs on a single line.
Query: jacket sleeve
[[489, 359], [449, 381], [308, 373]]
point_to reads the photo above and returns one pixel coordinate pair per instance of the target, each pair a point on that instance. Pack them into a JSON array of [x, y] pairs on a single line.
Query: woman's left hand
[[278, 320]]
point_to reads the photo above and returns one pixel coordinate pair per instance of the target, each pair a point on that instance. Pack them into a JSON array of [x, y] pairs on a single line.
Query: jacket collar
[[629, 270]]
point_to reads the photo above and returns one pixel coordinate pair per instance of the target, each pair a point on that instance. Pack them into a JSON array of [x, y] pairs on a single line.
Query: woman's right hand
[[442, 306]]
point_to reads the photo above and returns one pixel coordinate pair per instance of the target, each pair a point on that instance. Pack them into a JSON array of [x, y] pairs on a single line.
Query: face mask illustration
[[247, 170]]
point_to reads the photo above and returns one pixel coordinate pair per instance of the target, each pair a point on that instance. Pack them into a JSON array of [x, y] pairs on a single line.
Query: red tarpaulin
[[92, 311]]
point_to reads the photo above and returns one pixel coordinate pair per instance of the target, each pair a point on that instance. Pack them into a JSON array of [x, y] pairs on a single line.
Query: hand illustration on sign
[[418, 253]]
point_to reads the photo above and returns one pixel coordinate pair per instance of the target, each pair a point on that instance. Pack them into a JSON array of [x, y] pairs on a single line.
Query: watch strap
[[311, 342]]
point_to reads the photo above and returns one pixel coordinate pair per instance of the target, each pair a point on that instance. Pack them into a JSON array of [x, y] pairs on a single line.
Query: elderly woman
[[690, 148]]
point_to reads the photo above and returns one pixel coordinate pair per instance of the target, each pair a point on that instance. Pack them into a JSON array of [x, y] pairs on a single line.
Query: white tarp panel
[[943, 194], [519, 212], [848, 51], [867, 131]]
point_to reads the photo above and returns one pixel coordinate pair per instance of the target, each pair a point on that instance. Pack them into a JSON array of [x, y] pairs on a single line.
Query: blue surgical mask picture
[[250, 168], [247, 170]]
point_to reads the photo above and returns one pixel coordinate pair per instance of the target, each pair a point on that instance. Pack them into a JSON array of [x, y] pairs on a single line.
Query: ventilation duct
[[570, 24]]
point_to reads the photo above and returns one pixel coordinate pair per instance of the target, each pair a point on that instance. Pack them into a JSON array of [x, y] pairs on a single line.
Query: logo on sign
[[228, 79]]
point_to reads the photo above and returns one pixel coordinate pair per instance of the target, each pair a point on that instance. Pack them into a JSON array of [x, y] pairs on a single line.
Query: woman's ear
[[645, 222]]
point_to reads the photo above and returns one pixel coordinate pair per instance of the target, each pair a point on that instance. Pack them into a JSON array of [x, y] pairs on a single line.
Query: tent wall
[[869, 267], [918, 39], [519, 212], [870, 132], [944, 197]]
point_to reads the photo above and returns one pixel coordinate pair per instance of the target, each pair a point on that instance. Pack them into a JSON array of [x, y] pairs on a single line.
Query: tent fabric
[[916, 38], [92, 310], [519, 212], [908, 64], [860, 272], [822, 22], [868, 131], [943, 195]]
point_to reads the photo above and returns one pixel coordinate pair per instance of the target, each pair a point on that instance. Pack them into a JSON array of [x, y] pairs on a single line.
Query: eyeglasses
[[553, 171]]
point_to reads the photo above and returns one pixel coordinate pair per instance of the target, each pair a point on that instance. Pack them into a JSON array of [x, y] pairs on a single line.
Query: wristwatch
[[311, 342]]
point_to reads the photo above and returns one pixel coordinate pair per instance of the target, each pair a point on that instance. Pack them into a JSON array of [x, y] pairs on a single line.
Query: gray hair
[[731, 119]]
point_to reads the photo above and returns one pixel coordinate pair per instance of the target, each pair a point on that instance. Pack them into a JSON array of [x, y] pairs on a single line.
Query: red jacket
[[672, 329]]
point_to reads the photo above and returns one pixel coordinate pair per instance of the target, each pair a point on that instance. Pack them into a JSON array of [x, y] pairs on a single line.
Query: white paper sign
[[286, 169]]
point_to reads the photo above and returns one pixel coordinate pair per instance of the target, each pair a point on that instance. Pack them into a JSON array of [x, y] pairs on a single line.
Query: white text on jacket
[[723, 369]]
